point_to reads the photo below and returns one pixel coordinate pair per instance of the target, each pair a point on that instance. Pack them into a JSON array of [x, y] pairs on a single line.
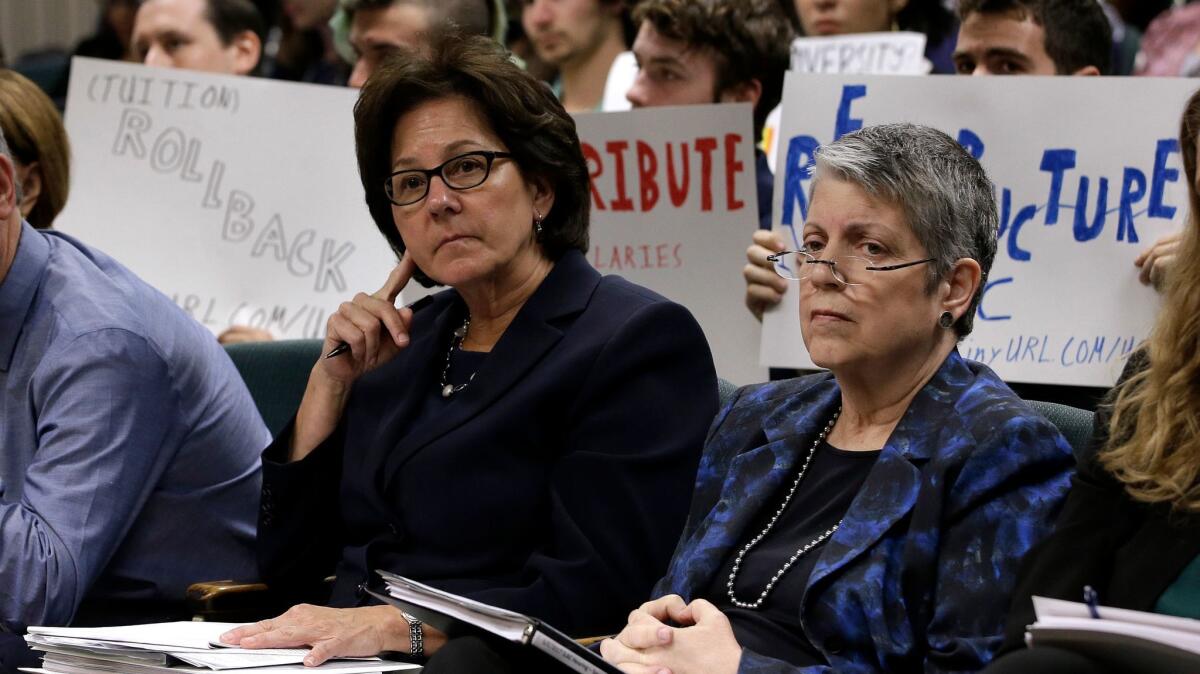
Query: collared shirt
[[129, 446]]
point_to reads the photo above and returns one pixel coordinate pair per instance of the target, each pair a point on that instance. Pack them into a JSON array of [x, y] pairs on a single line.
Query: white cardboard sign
[[896, 53], [1087, 173], [238, 197], [673, 203]]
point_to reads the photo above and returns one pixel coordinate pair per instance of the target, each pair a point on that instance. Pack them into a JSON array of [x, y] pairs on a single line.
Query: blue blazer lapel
[[536, 329], [891, 488], [753, 478]]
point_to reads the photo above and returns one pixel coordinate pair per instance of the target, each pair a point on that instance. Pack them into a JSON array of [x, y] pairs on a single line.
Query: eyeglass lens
[[460, 173], [846, 269]]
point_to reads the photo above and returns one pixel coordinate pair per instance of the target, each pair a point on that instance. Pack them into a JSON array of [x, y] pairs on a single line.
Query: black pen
[[343, 347]]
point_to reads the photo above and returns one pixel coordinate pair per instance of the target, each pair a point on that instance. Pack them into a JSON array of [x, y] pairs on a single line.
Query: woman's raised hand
[[375, 331], [374, 328]]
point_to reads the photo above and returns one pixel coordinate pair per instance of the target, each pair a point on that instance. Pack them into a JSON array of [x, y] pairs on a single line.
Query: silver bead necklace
[[800, 552], [460, 334]]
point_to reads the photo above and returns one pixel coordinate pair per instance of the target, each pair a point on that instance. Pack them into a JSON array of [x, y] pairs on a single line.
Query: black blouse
[[829, 486]]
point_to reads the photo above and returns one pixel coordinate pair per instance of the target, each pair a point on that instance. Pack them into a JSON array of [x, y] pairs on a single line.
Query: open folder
[[457, 616], [1127, 641]]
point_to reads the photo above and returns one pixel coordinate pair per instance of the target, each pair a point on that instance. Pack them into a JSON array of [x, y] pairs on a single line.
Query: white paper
[[895, 53]]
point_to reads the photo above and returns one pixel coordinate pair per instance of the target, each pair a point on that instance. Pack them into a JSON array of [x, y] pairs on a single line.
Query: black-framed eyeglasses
[[458, 173], [850, 270]]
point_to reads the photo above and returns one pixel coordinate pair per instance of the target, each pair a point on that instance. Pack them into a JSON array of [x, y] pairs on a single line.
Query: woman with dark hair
[[1130, 528], [526, 438]]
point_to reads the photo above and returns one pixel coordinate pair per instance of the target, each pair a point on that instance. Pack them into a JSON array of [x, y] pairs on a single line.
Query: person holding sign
[[693, 52], [1013, 37], [846, 17], [870, 518], [527, 438], [1130, 529], [219, 36]]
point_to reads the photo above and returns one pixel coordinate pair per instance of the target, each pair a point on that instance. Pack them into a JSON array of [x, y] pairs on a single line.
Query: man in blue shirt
[[129, 446]]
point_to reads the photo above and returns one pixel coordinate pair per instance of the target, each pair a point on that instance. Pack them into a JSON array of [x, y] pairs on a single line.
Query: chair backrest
[[276, 374], [1075, 424], [725, 391]]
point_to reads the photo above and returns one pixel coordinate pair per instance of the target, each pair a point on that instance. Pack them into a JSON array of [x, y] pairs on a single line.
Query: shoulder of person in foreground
[[91, 292], [998, 437]]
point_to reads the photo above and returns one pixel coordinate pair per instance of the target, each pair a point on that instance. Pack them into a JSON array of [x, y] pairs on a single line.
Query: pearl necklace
[[460, 334], [737, 562]]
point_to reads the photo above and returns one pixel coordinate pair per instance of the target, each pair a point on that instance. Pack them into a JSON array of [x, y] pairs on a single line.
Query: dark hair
[[1077, 31], [465, 14], [520, 110], [231, 18], [748, 40]]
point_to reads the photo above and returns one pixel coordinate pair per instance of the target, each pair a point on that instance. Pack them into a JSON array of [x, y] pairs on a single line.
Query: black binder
[[458, 616]]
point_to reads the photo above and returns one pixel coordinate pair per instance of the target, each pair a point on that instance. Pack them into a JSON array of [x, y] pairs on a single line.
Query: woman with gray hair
[[872, 517]]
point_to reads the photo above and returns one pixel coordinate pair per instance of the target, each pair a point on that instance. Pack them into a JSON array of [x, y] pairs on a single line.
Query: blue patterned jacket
[[918, 577]]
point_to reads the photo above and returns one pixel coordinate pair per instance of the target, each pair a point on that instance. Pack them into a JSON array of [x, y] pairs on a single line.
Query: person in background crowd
[[114, 32], [368, 31], [1139, 13], [220, 36], [301, 45], [581, 38], [127, 438], [38, 145], [1033, 37], [714, 51], [1130, 528], [842, 17], [507, 441], [1171, 47]]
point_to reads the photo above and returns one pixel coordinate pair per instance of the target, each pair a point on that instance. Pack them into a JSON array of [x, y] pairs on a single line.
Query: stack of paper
[[174, 647]]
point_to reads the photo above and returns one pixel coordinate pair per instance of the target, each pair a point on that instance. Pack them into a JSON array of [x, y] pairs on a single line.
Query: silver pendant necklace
[[460, 334], [800, 552]]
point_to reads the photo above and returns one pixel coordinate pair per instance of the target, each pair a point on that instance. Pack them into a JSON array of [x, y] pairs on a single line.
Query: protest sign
[[238, 197], [673, 204], [1087, 174], [896, 53]]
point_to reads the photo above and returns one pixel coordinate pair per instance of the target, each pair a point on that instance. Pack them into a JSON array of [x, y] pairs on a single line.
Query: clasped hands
[[669, 636]]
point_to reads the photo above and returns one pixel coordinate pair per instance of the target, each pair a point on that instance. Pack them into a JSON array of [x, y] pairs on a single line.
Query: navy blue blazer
[[555, 484], [919, 575]]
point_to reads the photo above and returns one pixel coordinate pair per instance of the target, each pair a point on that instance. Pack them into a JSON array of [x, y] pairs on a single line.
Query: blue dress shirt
[[129, 446]]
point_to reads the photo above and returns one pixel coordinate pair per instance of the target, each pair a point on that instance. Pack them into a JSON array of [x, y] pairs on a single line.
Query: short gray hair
[[5, 152], [942, 190]]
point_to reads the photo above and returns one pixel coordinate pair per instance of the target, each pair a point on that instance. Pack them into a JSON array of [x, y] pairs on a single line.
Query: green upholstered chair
[[276, 374], [725, 391], [1075, 424]]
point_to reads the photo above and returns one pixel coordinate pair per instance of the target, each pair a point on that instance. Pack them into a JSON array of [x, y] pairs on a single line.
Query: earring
[[946, 319], [537, 223]]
